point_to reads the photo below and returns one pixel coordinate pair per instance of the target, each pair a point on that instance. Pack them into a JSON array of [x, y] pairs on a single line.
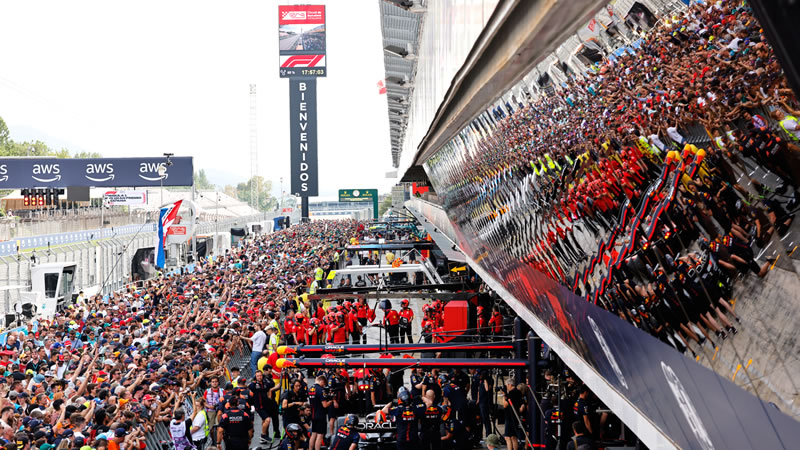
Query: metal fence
[[105, 263], [160, 432], [63, 221]]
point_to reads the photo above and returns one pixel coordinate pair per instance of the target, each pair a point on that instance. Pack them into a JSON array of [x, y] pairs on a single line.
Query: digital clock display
[[289, 72]]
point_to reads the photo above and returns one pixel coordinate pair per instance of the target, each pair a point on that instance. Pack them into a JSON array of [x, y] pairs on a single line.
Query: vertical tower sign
[[302, 40], [303, 129], [301, 31]]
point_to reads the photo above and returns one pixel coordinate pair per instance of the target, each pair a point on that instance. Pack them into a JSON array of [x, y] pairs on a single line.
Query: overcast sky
[[148, 77]]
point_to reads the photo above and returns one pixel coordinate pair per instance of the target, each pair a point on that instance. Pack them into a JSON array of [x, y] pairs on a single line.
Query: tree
[[9, 147], [4, 133], [201, 181], [384, 205], [230, 191], [87, 155], [264, 201]]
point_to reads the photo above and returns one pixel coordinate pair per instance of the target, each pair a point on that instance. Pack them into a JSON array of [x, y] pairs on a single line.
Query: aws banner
[[21, 173]]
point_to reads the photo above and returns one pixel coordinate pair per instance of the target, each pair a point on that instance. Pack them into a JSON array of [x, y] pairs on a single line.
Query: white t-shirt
[[791, 126], [657, 142], [675, 135], [200, 422], [259, 339], [177, 429]]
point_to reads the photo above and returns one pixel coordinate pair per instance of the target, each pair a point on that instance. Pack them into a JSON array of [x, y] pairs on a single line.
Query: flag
[[165, 219]]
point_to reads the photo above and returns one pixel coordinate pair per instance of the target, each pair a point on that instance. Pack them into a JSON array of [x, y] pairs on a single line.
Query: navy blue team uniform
[[345, 437], [459, 437], [431, 424], [319, 422], [405, 418], [457, 397]]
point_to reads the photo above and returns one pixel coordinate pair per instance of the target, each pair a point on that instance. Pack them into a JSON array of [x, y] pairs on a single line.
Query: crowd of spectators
[[631, 184], [110, 369], [105, 371]]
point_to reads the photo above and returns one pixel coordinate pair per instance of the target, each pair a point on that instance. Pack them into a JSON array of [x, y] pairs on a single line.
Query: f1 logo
[[302, 60]]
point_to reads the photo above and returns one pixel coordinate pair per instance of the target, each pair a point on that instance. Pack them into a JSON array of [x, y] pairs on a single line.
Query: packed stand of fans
[[606, 188], [110, 369], [105, 371]]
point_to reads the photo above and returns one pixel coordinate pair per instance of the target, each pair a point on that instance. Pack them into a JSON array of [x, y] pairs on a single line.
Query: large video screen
[[301, 30]]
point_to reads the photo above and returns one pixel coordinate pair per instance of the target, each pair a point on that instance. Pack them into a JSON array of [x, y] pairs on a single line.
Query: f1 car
[[373, 434]]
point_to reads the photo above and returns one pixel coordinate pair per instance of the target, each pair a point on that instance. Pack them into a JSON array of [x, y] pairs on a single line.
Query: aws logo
[[160, 169], [46, 173], [100, 172]]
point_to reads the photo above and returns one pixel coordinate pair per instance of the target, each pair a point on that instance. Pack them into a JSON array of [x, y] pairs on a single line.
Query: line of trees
[[10, 147], [264, 200]]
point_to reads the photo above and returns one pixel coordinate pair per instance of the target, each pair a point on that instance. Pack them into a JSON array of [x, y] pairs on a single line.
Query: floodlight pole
[[194, 224]]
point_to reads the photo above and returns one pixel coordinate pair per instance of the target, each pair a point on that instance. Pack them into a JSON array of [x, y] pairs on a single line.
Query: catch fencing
[[160, 436], [104, 257]]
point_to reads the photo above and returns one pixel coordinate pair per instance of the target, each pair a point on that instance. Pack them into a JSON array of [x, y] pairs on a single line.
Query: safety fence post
[[517, 348], [534, 418]]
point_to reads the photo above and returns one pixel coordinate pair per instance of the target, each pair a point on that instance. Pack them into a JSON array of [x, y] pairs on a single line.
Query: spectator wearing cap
[[493, 442], [117, 439]]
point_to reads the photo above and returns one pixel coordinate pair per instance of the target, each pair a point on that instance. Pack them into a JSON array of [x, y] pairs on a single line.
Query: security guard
[[406, 416], [236, 427], [318, 275], [346, 437], [294, 438]]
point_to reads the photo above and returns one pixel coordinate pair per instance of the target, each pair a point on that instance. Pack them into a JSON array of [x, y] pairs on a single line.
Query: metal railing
[[95, 263], [160, 433]]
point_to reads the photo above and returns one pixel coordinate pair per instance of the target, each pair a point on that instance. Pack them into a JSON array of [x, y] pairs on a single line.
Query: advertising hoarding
[[22, 173], [125, 198], [301, 30], [361, 196]]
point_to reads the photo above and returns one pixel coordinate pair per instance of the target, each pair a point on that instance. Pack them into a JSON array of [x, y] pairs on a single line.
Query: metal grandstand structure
[[401, 23]]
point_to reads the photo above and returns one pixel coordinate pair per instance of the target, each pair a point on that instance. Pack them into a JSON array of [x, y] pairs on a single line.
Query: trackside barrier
[[240, 359], [160, 433]]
